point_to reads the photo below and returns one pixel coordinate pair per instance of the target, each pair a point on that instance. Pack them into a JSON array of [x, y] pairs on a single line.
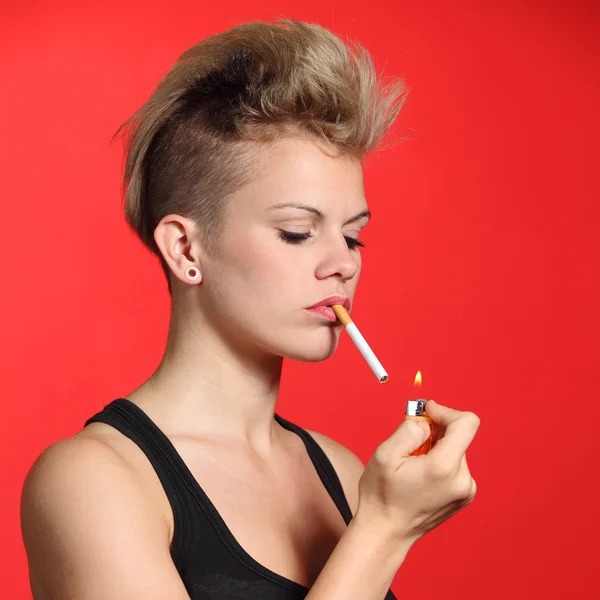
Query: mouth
[[323, 308]]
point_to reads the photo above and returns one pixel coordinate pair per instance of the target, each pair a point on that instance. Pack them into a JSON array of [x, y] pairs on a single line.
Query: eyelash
[[297, 238]]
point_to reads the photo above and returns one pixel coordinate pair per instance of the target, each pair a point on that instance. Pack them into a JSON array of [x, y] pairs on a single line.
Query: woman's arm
[[89, 531], [361, 567]]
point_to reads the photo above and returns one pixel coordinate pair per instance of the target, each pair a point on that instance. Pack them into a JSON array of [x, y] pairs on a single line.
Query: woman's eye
[[353, 243], [297, 238], [293, 238]]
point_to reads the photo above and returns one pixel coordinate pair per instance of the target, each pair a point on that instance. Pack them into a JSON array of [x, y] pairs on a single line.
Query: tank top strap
[[324, 468], [133, 422]]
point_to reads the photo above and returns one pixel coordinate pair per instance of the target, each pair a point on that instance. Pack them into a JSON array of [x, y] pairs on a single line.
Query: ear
[[177, 239]]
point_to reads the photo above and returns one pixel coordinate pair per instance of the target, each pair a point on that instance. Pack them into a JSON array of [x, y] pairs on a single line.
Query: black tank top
[[211, 563]]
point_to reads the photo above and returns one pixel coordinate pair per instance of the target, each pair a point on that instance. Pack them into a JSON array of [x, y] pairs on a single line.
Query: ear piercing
[[192, 273]]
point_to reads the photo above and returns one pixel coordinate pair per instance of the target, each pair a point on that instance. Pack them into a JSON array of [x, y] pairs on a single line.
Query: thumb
[[408, 437]]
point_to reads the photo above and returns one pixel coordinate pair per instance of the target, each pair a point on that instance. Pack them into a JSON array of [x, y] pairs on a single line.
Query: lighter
[[415, 410]]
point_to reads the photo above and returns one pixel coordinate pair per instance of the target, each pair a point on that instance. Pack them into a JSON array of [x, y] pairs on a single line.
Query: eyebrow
[[316, 211]]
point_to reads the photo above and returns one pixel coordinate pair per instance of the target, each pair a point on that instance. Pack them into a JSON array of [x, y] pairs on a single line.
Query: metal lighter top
[[415, 408]]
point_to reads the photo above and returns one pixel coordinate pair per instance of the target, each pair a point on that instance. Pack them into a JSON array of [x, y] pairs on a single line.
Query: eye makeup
[[297, 238]]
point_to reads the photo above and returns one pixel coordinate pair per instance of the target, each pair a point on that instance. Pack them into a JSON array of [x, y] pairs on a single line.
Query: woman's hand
[[404, 496]]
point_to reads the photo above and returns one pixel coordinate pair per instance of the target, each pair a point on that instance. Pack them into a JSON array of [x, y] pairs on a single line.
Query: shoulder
[[347, 465], [78, 483], [67, 458], [72, 476], [84, 513], [72, 460]]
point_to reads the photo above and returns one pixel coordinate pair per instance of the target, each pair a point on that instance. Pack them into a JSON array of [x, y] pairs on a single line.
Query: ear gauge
[[192, 273]]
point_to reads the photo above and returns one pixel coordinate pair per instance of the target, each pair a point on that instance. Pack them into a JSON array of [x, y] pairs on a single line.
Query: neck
[[207, 387]]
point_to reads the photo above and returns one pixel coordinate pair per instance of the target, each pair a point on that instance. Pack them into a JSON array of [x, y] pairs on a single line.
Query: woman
[[244, 177]]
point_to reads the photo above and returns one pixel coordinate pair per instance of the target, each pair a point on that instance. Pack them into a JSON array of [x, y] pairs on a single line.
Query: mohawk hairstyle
[[186, 148]]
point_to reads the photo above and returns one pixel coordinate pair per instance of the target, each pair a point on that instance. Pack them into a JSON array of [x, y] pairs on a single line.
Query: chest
[[283, 517], [280, 514]]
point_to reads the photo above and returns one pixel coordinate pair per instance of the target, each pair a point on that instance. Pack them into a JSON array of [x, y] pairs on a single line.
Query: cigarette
[[361, 343]]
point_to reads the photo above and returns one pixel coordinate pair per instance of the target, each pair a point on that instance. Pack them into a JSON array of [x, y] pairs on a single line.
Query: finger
[[442, 415], [460, 429], [406, 439], [437, 432]]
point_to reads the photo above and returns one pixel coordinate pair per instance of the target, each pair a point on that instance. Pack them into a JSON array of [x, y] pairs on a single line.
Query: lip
[[331, 300]]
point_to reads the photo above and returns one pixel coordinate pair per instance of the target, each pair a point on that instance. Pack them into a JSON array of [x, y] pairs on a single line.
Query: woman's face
[[259, 285]]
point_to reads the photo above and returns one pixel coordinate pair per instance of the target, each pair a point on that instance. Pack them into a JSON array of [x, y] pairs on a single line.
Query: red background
[[480, 267]]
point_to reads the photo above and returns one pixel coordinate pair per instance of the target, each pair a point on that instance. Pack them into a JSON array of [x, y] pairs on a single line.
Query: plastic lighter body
[[415, 410]]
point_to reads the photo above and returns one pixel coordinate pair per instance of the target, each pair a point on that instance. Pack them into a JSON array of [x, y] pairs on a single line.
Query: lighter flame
[[418, 379]]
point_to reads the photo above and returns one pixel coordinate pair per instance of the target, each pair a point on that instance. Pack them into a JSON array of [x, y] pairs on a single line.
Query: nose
[[339, 261]]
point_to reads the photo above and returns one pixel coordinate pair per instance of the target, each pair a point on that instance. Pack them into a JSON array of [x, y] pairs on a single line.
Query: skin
[[230, 332], [214, 395]]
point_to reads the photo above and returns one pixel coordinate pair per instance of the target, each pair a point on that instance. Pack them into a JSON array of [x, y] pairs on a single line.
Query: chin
[[313, 348]]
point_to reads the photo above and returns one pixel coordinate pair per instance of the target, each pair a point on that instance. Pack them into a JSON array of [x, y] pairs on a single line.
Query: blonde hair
[[186, 148]]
